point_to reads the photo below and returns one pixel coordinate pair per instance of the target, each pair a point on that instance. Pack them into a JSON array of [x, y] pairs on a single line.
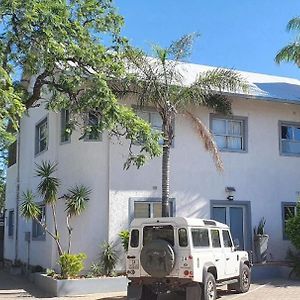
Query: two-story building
[[260, 149]]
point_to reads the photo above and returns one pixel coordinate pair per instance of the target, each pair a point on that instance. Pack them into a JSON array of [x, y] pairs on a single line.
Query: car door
[[231, 261], [219, 255]]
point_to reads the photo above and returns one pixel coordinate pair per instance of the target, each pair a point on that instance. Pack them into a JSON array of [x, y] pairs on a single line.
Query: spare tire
[[158, 258]]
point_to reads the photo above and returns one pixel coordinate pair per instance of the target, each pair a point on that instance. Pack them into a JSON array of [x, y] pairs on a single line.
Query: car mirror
[[236, 244]]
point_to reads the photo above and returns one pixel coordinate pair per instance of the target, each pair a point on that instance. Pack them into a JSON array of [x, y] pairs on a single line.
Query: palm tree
[[159, 82], [291, 52]]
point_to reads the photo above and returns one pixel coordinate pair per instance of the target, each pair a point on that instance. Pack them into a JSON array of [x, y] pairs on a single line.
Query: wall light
[[230, 191]]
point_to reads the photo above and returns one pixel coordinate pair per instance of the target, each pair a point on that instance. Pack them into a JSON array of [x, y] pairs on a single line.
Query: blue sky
[[239, 34]]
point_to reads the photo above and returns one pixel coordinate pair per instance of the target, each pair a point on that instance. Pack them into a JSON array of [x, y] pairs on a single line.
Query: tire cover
[[158, 258]]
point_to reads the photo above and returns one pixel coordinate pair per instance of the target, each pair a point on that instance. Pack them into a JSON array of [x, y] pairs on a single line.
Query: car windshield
[[161, 232]]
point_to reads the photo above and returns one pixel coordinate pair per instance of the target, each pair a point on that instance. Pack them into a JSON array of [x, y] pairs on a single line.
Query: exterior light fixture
[[230, 190]]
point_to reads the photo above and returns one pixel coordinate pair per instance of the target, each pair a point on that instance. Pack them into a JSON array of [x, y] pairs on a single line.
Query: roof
[[180, 221], [262, 86]]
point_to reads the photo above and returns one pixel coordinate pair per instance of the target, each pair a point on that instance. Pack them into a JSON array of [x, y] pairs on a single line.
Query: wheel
[[244, 281], [210, 289], [148, 294]]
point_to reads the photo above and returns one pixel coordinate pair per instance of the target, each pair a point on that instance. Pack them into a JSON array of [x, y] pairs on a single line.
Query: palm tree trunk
[[70, 234], [166, 180]]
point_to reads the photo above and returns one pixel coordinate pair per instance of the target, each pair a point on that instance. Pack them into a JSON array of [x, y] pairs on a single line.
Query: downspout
[[17, 194]]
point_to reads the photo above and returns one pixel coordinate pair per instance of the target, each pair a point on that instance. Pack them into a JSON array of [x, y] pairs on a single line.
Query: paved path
[[15, 287]]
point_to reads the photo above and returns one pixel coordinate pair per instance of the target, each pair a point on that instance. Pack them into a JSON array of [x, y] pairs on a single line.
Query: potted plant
[[261, 241]]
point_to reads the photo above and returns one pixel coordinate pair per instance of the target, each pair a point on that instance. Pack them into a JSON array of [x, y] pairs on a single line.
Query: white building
[[260, 148]]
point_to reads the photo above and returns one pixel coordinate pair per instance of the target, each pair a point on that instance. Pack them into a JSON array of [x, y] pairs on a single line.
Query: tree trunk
[[70, 234], [166, 180]]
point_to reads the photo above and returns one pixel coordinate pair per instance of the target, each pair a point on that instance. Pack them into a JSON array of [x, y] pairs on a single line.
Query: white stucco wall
[[260, 176]]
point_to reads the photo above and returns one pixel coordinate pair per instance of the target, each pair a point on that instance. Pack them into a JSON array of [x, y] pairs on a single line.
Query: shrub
[[71, 264], [293, 228], [124, 235], [294, 259], [96, 270], [108, 259]]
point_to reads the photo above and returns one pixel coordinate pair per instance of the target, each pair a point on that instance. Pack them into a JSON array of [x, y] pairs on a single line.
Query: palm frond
[[293, 24], [290, 53], [48, 186], [207, 139], [76, 200], [28, 208]]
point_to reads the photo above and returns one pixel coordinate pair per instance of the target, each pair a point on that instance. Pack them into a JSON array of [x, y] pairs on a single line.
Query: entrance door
[[235, 217]]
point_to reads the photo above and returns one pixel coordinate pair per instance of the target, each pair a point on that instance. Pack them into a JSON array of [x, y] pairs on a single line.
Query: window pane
[[11, 221], [221, 141], [143, 115], [141, 210], [134, 240], [157, 210], [219, 126], [200, 237], [290, 147], [234, 143], [226, 239], [234, 127], [297, 133], [12, 154], [215, 238], [165, 232], [65, 119], [286, 132], [43, 145], [156, 121], [220, 214], [183, 238]]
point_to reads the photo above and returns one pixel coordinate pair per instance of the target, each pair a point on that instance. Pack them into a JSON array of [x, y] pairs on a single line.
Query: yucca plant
[[76, 202], [108, 259]]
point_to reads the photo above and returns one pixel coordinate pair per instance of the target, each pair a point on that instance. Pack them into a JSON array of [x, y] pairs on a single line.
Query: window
[[38, 232], [41, 136], [150, 209], [200, 237], [226, 239], [288, 210], [65, 135], [153, 118], [182, 237], [290, 138], [215, 238], [134, 238], [11, 223], [93, 122], [229, 133], [160, 232], [12, 154]]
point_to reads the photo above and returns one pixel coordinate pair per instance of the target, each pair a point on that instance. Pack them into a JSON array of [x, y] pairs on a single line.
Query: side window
[[41, 136], [215, 238], [182, 237], [134, 238], [37, 230], [93, 123], [200, 237], [226, 239], [11, 223]]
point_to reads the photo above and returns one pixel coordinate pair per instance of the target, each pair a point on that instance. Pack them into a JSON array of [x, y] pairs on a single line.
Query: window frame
[[244, 135], [37, 140], [283, 205], [63, 125], [287, 124], [133, 200], [87, 137], [35, 226], [11, 224]]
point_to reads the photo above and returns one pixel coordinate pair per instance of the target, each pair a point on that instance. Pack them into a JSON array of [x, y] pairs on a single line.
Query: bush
[[71, 264], [293, 228], [124, 235], [96, 270], [108, 259]]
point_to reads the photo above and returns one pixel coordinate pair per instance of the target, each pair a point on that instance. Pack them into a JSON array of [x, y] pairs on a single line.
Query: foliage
[[108, 259], [71, 264], [68, 50], [160, 82], [124, 235], [260, 230], [50, 272], [293, 228], [291, 52], [294, 259], [28, 208], [96, 270]]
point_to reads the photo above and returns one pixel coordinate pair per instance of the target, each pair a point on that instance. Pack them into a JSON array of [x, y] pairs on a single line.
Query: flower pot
[[261, 247]]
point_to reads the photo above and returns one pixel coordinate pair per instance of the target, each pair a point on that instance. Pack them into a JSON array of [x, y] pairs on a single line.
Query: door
[[235, 217]]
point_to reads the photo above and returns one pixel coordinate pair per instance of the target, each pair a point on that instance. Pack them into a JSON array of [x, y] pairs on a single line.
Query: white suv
[[183, 255]]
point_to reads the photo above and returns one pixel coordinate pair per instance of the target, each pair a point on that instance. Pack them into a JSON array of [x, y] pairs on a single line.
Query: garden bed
[[81, 286]]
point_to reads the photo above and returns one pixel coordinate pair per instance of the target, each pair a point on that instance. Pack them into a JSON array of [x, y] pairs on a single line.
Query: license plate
[[133, 264]]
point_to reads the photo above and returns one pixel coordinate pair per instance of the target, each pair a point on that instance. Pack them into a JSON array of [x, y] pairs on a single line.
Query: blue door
[[234, 217]]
